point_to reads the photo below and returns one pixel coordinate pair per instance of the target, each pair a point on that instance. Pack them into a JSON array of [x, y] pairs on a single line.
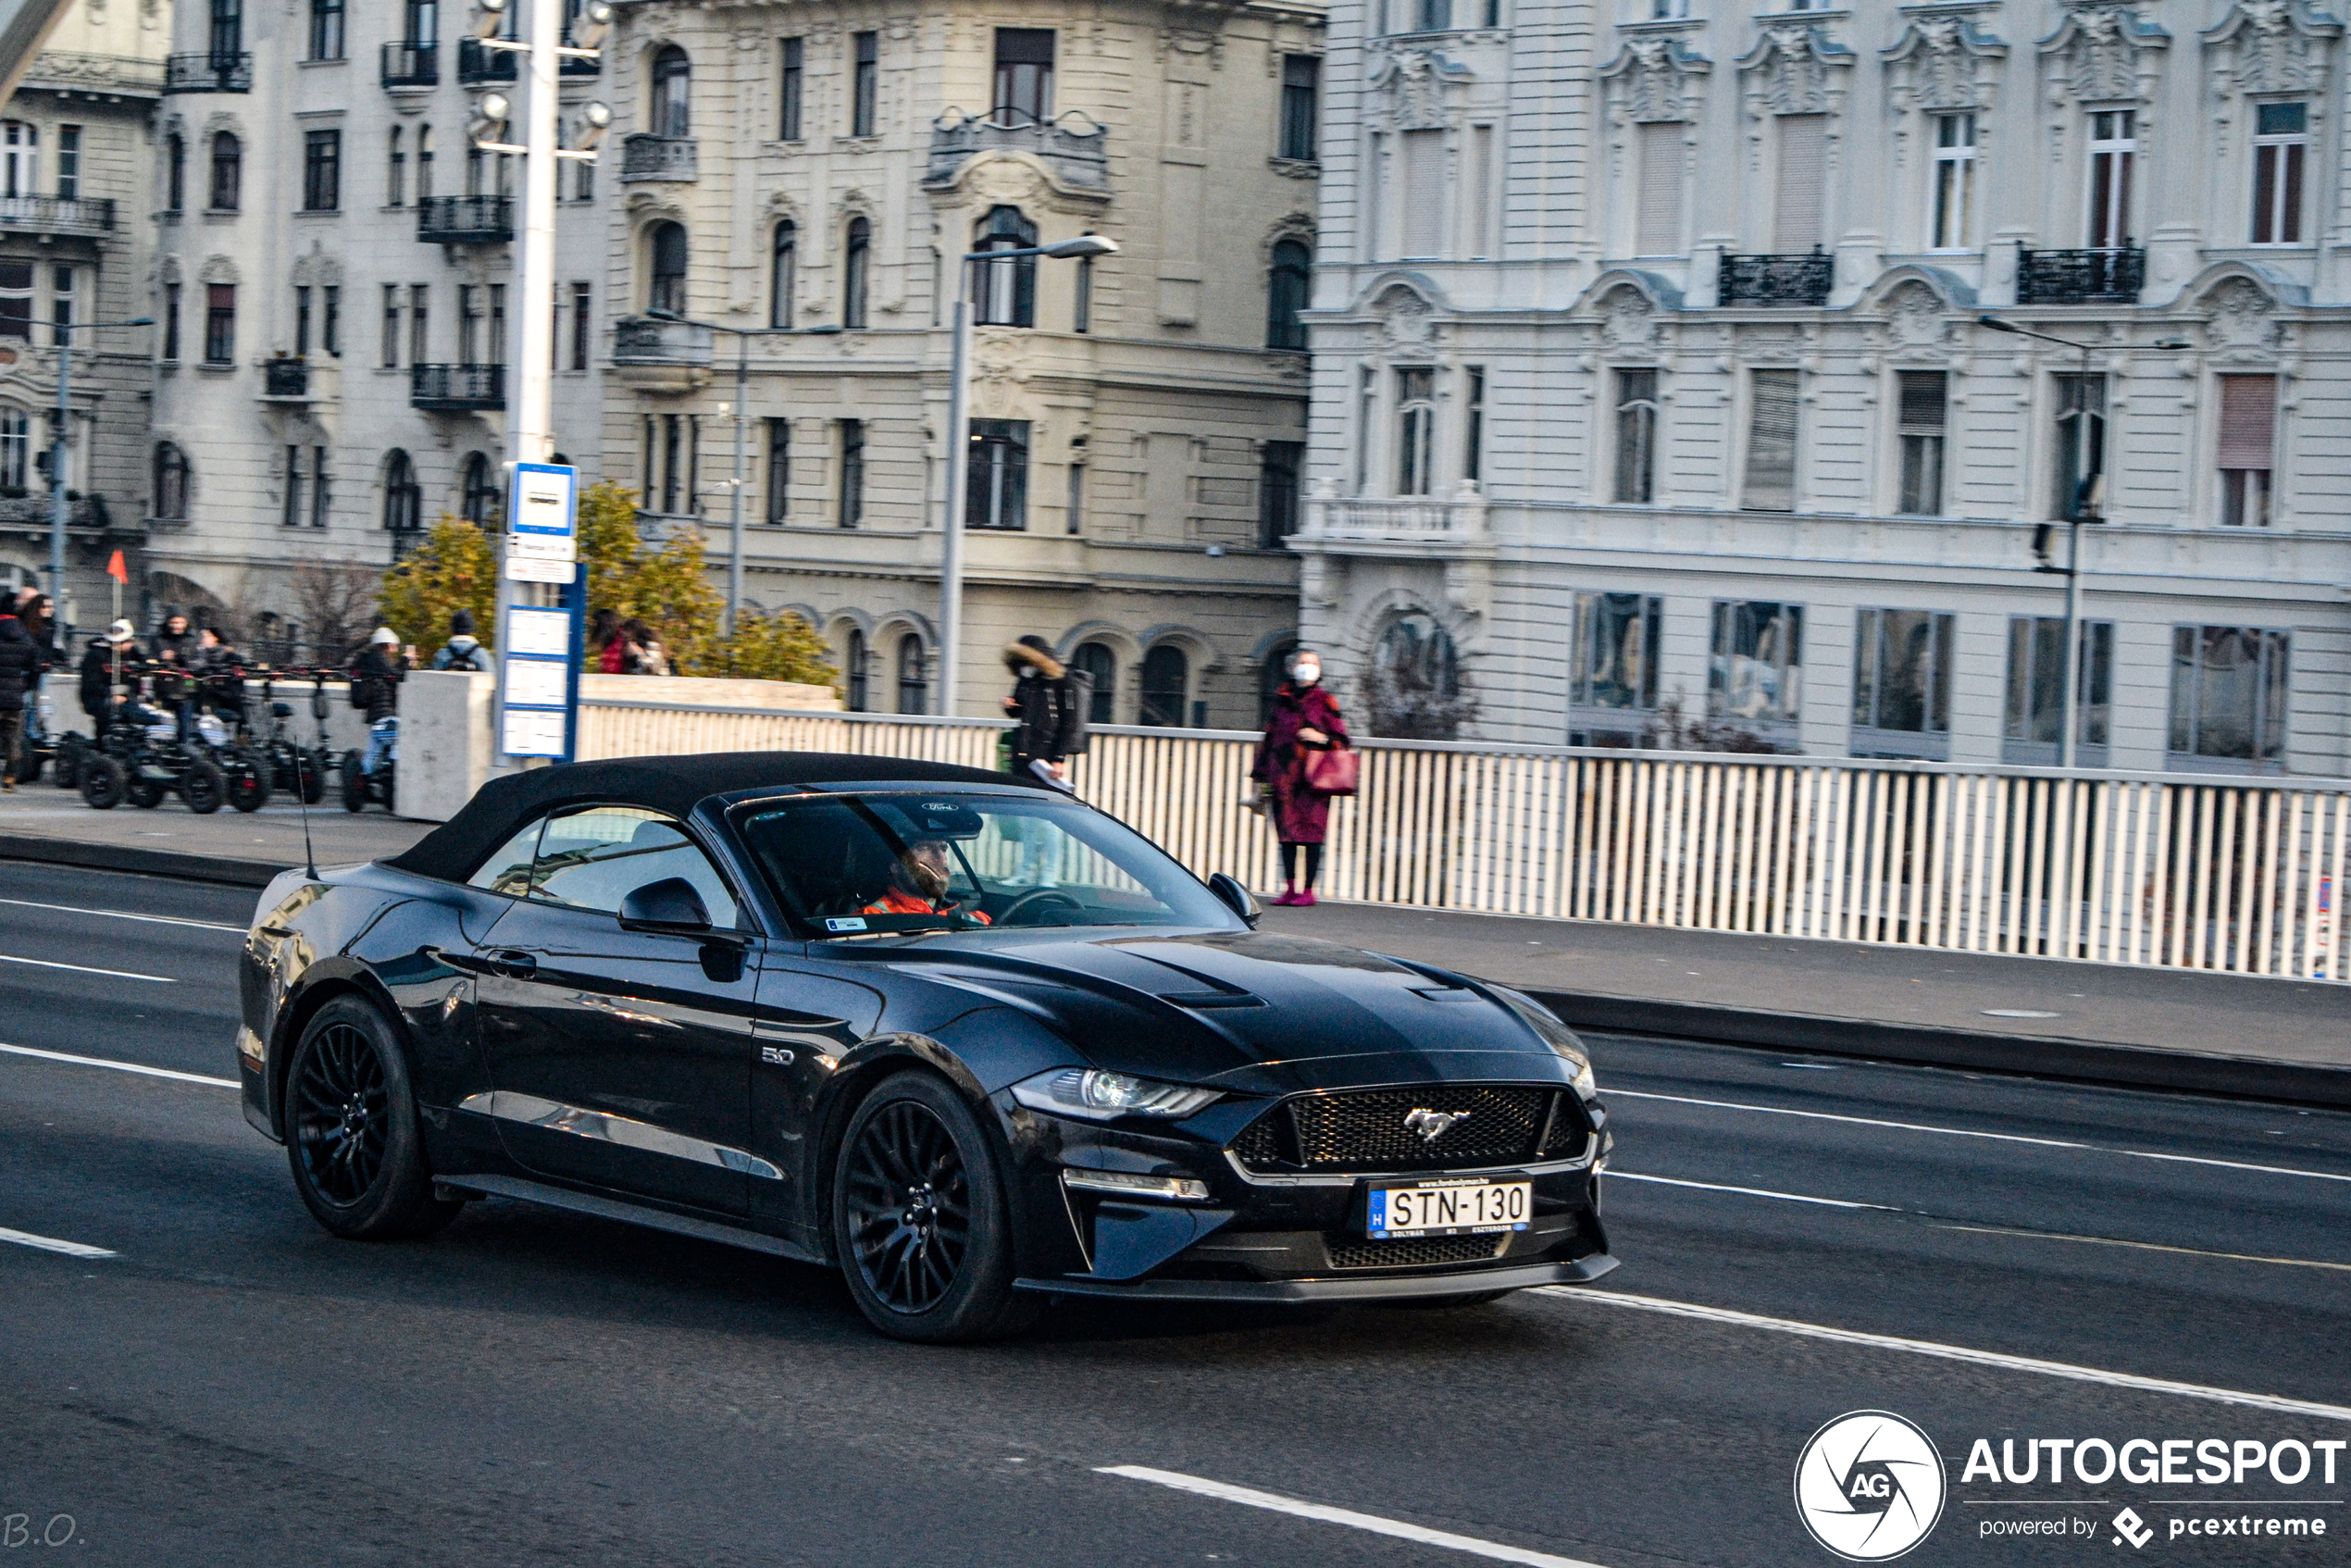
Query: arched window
[[1286, 295], [1167, 681], [783, 273], [19, 158], [665, 254], [171, 483], [228, 171], [673, 92], [404, 502], [1101, 667], [853, 670], [16, 449], [1006, 290], [479, 505], [914, 677], [860, 250], [175, 172]]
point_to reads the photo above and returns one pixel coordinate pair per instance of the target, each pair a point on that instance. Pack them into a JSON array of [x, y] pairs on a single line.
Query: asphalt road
[[232, 1386]]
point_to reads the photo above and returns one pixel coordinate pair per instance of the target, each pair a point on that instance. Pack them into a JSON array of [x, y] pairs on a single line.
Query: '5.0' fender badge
[[1870, 1486]]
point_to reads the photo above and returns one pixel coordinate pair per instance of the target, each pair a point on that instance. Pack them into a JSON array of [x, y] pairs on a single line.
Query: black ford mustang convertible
[[967, 1039]]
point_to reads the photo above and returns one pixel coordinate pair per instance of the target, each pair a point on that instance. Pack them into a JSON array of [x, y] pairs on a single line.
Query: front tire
[[352, 1133], [101, 782], [204, 787], [920, 1220], [249, 785], [355, 783]]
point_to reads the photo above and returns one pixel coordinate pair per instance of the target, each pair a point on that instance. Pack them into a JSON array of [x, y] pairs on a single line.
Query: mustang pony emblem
[[1432, 1124]]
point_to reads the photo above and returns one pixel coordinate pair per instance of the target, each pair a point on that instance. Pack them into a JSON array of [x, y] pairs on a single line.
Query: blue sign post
[[539, 670]]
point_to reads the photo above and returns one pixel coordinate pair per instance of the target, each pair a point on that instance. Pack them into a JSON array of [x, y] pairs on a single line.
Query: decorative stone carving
[[2240, 316], [217, 270], [2271, 47], [1653, 79], [2101, 54], [1627, 319], [1942, 64], [1915, 316], [1795, 69], [317, 268], [1411, 87], [1404, 320]]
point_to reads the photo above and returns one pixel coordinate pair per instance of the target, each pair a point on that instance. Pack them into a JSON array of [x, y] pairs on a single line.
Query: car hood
[[1256, 1012]]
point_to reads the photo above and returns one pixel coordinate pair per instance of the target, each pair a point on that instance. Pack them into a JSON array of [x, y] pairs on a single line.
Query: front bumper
[[1388, 1287]]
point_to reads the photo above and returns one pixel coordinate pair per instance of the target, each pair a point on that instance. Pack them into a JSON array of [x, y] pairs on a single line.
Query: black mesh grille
[[1367, 1130], [1570, 1128], [1414, 1252]]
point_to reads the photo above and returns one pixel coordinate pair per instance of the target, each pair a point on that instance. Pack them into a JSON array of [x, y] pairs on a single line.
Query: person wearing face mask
[[1305, 719]]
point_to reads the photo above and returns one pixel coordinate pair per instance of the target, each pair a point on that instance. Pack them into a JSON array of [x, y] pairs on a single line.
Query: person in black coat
[[1050, 703], [376, 676], [19, 670], [110, 665]]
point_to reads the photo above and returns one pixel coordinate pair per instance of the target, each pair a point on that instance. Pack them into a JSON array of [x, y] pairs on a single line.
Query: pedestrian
[[110, 663], [39, 618], [608, 645], [175, 641], [375, 687], [645, 650], [1306, 720], [1048, 704], [463, 651], [220, 676], [20, 669]]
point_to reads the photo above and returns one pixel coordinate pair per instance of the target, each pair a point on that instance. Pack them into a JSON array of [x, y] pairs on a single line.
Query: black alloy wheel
[[204, 787], [101, 782], [920, 1220], [351, 1132]]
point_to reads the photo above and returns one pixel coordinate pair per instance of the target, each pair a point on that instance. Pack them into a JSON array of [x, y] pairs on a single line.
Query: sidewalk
[[2222, 1034]]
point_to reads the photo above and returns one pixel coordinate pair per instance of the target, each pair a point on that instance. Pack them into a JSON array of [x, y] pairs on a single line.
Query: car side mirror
[[670, 905], [1235, 897]]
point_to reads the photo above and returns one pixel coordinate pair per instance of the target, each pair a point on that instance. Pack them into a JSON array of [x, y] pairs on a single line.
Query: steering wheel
[[1036, 897]]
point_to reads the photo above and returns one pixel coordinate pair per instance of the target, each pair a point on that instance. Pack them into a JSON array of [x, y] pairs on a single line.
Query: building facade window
[[1902, 684], [778, 472], [1081, 301], [1415, 431], [221, 324], [783, 273], [1474, 425], [171, 354], [2034, 715], [403, 499], [478, 497], [228, 28], [2080, 446], [326, 29], [302, 322], [1023, 86], [321, 488], [667, 253], [854, 675], [1167, 684], [1073, 501], [2114, 153], [19, 158], [228, 171], [68, 163], [1286, 294], [1277, 491], [424, 163], [673, 83], [15, 299], [321, 171], [292, 514], [865, 86], [1657, 219], [1302, 92], [1006, 290], [914, 675], [792, 95], [852, 473], [1919, 419], [175, 172], [419, 323], [395, 170], [16, 448], [1800, 198], [857, 257], [996, 480], [1770, 481], [1612, 686], [391, 359], [1756, 671], [2249, 438], [1954, 182], [170, 484], [2281, 142], [1636, 437], [583, 323], [61, 283], [470, 324], [422, 23], [1100, 667], [2229, 698]]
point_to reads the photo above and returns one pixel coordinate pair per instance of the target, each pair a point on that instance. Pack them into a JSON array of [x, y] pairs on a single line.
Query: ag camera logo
[[1870, 1486]]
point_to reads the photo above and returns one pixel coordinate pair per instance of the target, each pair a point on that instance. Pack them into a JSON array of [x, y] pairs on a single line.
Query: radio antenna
[[302, 799]]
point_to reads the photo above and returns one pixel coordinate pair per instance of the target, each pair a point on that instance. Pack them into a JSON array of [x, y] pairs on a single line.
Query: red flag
[[116, 571]]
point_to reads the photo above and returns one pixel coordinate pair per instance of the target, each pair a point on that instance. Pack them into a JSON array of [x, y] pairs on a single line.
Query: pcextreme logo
[[1870, 1486]]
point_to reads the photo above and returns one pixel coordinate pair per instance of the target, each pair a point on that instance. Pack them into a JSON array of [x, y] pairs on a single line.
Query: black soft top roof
[[674, 785]]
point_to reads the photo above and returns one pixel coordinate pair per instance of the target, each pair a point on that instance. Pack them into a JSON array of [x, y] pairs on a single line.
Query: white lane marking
[[1248, 1498], [1969, 1132], [1755, 1192], [50, 1244], [1947, 1352], [86, 969], [2143, 1246], [119, 1067], [125, 915]]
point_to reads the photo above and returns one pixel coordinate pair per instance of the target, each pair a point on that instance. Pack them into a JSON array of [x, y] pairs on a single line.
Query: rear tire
[[920, 1221], [101, 783], [353, 1138], [355, 783], [204, 787], [141, 790], [249, 785]]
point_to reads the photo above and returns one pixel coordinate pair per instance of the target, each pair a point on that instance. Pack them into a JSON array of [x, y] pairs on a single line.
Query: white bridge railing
[[2180, 871]]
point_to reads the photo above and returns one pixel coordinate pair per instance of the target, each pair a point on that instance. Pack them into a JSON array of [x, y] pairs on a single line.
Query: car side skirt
[[621, 1210], [1583, 1271]]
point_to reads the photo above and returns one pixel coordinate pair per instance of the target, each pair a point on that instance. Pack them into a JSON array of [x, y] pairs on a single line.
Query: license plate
[[1449, 1208]]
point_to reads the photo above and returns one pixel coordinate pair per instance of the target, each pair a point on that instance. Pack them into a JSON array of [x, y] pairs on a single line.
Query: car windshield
[[855, 865]]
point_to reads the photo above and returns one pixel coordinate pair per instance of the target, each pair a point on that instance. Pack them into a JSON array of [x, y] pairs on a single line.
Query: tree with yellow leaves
[[454, 568]]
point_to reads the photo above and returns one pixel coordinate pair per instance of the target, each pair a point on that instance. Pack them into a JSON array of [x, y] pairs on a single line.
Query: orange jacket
[[899, 902]]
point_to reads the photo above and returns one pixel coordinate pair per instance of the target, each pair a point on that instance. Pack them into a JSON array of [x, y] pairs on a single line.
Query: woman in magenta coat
[[1305, 719]]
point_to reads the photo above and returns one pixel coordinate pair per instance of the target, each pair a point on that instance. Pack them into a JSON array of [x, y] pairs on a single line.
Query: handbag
[[1332, 772]]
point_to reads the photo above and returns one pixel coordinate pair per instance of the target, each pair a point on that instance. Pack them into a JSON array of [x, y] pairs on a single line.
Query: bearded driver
[[918, 881]]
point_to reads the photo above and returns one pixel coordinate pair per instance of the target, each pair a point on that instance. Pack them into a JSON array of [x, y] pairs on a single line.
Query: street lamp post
[[57, 466], [950, 546], [2077, 506]]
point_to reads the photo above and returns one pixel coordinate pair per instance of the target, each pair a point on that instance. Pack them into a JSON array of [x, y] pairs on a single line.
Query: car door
[[617, 1057]]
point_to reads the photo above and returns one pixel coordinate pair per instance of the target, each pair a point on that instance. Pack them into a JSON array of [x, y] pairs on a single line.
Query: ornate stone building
[[809, 173], [1653, 395]]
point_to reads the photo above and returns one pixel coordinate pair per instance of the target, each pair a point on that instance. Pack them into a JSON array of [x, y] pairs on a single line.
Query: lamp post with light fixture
[[950, 546]]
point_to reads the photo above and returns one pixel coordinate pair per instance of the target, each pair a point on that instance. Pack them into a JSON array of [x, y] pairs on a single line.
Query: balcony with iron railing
[[647, 156], [1070, 147], [1776, 279], [2108, 275], [56, 215], [464, 220], [478, 63], [648, 340], [457, 388], [293, 378], [412, 65], [32, 509], [219, 71]]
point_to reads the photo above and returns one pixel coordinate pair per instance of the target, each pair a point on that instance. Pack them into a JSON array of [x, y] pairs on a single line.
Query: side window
[[508, 870], [592, 859]]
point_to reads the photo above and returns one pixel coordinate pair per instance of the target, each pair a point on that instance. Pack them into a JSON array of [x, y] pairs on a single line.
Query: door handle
[[515, 964]]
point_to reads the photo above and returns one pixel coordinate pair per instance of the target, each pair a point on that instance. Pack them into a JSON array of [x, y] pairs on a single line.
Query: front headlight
[[1556, 1035], [1101, 1097]]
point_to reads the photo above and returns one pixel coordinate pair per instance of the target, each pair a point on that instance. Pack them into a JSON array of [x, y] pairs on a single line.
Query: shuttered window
[[1795, 224], [1660, 215], [1770, 445], [2248, 435], [1925, 399], [1423, 232]]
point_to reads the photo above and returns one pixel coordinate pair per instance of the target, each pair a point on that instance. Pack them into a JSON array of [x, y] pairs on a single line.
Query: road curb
[[225, 869], [2085, 1061]]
